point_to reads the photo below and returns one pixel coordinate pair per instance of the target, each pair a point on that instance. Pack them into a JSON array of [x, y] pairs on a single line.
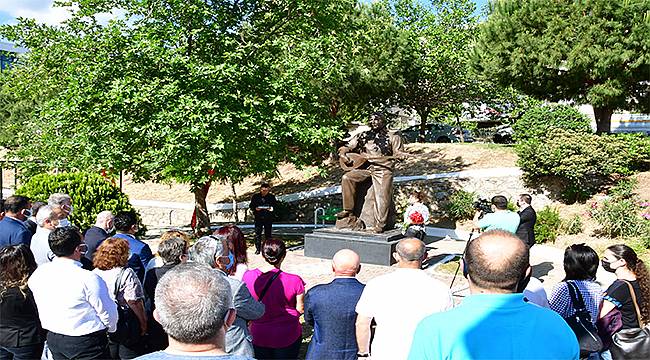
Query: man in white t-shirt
[[398, 301]]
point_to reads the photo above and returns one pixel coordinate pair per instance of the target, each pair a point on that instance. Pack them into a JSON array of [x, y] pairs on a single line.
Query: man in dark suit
[[330, 309], [262, 205], [528, 217], [31, 221], [98, 233], [12, 228]]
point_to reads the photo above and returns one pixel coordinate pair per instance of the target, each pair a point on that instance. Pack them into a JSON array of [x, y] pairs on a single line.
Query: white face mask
[[64, 223]]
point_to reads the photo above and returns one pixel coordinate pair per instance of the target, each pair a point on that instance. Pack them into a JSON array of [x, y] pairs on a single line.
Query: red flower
[[416, 218]]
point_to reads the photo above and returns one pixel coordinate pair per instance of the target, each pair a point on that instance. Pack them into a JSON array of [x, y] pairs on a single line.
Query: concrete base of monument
[[372, 248]]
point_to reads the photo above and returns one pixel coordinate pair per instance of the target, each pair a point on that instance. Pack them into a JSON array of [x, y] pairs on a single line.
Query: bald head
[[410, 250], [345, 263], [497, 260]]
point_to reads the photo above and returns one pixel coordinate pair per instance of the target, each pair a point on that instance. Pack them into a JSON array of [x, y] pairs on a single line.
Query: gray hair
[[206, 249], [192, 303], [103, 216], [45, 212], [172, 249], [58, 199]]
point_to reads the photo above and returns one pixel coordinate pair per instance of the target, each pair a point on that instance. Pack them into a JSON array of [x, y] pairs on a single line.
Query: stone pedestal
[[372, 248]]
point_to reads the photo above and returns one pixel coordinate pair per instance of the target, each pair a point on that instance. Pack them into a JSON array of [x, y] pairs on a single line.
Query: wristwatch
[[363, 355]]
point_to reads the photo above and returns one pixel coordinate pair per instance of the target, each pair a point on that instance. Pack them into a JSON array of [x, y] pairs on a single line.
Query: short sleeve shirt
[[130, 286], [505, 220], [619, 294], [280, 325], [398, 301], [592, 295]]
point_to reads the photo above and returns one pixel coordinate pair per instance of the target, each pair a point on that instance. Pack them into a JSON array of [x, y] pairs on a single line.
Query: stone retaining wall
[[302, 211]]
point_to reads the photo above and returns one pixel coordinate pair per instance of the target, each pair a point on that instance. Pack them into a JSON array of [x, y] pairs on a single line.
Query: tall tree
[[185, 90], [589, 52], [437, 76]]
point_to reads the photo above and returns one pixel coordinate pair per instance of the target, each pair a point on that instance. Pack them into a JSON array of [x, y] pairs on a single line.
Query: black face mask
[[607, 266]]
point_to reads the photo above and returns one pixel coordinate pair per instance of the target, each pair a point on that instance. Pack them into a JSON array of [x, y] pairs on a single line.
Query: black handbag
[[581, 324], [128, 325], [632, 343]]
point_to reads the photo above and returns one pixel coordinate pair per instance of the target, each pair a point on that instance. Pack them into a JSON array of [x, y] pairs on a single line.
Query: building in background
[[9, 54]]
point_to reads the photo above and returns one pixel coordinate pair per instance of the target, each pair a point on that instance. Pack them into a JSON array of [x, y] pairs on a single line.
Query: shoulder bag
[[609, 325], [128, 325], [268, 285], [581, 324], [632, 343]]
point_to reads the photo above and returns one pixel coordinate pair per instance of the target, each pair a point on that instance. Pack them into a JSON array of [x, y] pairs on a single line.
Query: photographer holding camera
[[497, 216]]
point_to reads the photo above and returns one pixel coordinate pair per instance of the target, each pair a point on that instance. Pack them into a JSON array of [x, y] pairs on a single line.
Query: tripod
[[471, 235]]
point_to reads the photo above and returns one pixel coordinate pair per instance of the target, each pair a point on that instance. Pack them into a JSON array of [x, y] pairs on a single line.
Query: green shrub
[[547, 225], [460, 205], [621, 217], [624, 189], [582, 161], [571, 226], [537, 122], [90, 193]]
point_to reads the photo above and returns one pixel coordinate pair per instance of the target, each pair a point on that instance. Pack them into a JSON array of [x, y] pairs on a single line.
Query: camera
[[483, 205]]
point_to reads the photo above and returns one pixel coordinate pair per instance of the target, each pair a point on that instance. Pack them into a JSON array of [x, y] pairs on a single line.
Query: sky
[[43, 12]]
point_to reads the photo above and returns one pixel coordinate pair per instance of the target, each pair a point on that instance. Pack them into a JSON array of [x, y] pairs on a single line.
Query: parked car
[[436, 133], [503, 134]]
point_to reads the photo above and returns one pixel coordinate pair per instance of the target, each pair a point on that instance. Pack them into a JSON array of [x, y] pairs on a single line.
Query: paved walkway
[[546, 263]]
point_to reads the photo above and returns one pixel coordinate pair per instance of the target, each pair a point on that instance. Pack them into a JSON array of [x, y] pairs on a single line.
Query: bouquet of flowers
[[416, 218]]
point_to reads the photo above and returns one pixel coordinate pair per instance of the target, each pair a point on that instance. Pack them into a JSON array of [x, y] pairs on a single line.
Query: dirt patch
[[426, 159]]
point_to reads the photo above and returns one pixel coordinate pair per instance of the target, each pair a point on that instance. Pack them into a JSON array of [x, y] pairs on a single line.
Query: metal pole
[[15, 176]]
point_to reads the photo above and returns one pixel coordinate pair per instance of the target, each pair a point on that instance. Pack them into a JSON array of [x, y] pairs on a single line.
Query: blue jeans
[[28, 352]]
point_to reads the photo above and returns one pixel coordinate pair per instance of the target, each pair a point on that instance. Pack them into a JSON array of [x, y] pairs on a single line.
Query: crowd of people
[[103, 294]]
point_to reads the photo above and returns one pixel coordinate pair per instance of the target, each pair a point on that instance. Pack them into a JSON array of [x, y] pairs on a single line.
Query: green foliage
[[460, 205], [623, 214], [624, 188], [572, 225], [547, 225], [435, 36], [582, 161], [90, 193], [192, 90], [536, 123], [621, 217], [586, 51]]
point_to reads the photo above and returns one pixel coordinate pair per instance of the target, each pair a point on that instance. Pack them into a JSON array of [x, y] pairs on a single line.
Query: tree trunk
[[603, 117], [423, 125], [234, 202], [461, 136], [201, 209]]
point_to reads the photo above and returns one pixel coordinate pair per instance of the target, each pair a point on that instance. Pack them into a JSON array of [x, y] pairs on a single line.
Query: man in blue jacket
[[330, 309], [13, 230], [126, 225]]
